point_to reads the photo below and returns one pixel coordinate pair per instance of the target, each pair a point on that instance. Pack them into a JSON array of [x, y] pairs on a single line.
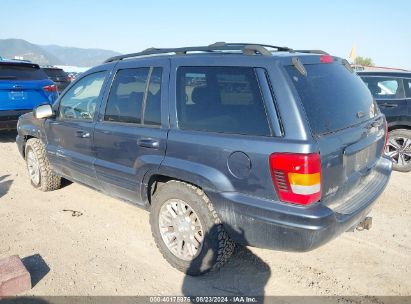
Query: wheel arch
[[24, 142], [156, 180], [204, 177], [396, 127]]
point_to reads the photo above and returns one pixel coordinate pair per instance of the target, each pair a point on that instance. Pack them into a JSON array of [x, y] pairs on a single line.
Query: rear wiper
[[299, 66], [347, 65], [7, 77]]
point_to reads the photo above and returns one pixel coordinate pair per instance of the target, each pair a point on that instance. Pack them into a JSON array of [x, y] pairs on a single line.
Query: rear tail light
[[50, 88], [386, 135], [296, 177]]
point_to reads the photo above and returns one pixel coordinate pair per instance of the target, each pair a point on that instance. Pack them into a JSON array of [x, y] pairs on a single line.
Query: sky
[[379, 29]]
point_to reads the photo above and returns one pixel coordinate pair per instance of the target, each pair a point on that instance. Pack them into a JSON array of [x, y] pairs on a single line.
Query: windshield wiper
[[8, 77]]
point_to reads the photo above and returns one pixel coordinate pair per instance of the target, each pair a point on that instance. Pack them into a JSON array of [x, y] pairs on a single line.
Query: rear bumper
[[8, 118], [268, 224]]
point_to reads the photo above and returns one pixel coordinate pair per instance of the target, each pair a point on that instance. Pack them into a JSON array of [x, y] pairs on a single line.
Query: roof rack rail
[[246, 48], [312, 52]]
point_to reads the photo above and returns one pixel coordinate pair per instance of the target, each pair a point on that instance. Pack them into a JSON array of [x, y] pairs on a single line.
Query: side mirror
[[43, 111]]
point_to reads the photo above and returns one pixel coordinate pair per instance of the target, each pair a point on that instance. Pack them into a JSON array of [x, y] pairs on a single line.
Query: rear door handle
[[149, 143], [82, 134], [388, 105]]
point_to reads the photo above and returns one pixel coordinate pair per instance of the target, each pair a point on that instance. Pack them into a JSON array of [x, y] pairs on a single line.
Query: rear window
[[21, 72], [55, 72], [333, 97]]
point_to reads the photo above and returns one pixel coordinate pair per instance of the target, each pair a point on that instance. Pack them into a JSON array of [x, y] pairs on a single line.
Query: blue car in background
[[23, 86]]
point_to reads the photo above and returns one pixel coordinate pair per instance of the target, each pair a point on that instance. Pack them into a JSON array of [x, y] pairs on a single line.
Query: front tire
[[41, 175], [187, 230], [399, 149]]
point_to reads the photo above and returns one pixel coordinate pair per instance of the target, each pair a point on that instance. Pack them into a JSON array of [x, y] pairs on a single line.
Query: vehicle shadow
[[245, 274], [8, 136], [5, 185], [23, 300], [37, 268]]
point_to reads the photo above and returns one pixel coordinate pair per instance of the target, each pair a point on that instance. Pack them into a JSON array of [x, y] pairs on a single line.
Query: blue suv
[[228, 143], [23, 86], [392, 92]]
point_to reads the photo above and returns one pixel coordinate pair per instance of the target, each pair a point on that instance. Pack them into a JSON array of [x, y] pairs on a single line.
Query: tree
[[364, 61]]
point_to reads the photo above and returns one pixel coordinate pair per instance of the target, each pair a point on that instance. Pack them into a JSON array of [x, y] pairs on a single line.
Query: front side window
[[385, 88], [221, 99], [81, 100]]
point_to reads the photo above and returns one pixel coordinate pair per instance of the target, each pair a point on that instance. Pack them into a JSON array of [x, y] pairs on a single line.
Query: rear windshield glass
[[21, 72], [333, 97], [55, 72]]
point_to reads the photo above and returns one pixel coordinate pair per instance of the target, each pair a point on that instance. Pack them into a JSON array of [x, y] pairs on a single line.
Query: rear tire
[[41, 175], [399, 149], [181, 203]]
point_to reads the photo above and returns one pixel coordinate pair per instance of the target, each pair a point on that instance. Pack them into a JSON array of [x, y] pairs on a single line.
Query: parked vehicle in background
[[59, 77], [23, 86], [73, 75], [260, 145], [366, 68], [392, 91]]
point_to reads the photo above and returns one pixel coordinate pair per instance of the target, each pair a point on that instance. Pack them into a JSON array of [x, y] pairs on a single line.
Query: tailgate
[[22, 95], [348, 157], [344, 120]]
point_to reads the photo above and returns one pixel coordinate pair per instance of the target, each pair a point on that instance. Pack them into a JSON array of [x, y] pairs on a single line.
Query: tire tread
[[49, 181]]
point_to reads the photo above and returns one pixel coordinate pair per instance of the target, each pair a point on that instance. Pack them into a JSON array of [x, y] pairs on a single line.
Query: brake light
[[326, 59], [386, 135], [296, 177], [50, 88]]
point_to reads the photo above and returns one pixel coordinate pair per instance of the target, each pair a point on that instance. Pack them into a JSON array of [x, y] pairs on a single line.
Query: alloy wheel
[[33, 167], [181, 229], [399, 150]]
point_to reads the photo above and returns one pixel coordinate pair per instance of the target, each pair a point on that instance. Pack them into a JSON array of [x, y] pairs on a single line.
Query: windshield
[[332, 96]]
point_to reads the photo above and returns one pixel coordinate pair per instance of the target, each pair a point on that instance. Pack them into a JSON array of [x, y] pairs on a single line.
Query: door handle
[[148, 143], [388, 105], [82, 134]]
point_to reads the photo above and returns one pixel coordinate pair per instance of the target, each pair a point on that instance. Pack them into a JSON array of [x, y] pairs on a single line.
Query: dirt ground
[[107, 248]]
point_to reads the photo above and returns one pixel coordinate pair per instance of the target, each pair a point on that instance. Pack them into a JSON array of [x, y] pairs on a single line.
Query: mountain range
[[53, 54]]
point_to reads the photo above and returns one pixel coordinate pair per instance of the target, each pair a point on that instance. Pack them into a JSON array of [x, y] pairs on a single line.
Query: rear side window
[[221, 99], [135, 91], [385, 88], [332, 96], [126, 96], [152, 113], [21, 72], [407, 84]]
